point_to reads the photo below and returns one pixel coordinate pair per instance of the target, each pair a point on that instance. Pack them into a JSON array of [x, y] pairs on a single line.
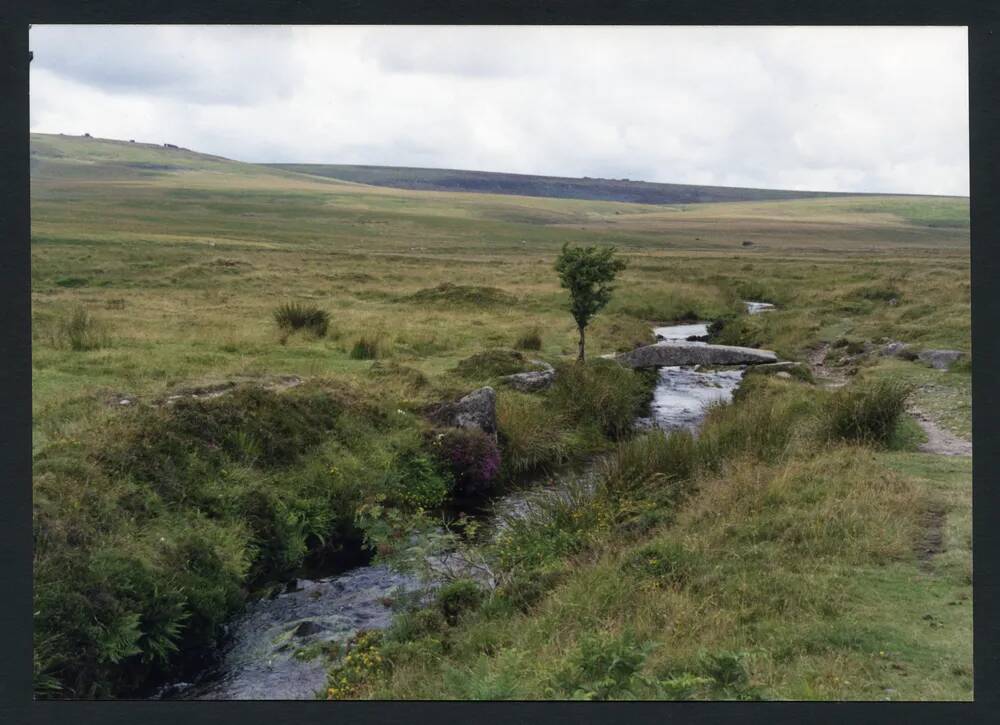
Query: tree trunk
[[580, 357]]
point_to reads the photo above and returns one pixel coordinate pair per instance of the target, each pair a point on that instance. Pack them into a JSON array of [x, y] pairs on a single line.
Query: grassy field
[[155, 270]]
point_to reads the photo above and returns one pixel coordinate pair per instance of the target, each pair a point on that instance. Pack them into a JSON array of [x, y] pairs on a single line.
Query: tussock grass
[[368, 347], [79, 331], [530, 339], [869, 412], [292, 316], [600, 392], [533, 433]]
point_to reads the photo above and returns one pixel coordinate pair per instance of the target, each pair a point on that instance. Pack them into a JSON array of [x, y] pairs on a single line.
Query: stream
[[263, 658]]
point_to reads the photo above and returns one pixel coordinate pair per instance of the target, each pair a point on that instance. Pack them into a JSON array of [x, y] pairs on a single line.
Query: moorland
[[189, 451]]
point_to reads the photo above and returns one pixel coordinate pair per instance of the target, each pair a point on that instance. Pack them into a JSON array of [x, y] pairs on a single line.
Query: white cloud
[[840, 109]]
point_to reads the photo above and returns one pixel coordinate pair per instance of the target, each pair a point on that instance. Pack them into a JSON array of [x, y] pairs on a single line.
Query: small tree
[[587, 272]]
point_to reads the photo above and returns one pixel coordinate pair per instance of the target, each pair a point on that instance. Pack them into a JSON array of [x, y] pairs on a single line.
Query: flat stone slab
[[681, 353]]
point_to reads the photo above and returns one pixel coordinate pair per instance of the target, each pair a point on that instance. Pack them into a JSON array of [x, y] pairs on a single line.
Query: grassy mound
[[492, 364]]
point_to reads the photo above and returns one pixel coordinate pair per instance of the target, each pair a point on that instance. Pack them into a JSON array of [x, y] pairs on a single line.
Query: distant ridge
[[490, 182]]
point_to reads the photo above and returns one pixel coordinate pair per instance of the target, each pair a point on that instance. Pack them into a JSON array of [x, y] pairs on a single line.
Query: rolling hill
[[489, 182]]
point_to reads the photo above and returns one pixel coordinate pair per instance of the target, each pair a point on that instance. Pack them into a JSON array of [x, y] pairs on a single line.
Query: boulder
[[940, 359], [476, 410], [693, 353], [532, 380]]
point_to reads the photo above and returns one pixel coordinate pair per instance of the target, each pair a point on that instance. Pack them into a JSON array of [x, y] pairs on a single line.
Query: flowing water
[[267, 651]]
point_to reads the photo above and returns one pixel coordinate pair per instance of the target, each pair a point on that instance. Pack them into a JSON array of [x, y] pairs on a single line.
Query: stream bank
[[274, 649]]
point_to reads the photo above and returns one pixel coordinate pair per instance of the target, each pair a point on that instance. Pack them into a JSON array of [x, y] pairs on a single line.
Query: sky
[[882, 109]]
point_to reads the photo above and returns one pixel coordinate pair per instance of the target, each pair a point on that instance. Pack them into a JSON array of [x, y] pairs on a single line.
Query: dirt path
[[825, 375], [939, 440]]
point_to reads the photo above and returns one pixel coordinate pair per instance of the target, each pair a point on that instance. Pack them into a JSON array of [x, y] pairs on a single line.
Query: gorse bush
[[292, 316], [80, 331], [868, 412]]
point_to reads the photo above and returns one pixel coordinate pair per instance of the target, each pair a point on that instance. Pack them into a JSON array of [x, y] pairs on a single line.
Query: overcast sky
[[833, 109]]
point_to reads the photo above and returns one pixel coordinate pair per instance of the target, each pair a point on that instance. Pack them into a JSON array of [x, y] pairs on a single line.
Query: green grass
[[177, 260], [785, 573]]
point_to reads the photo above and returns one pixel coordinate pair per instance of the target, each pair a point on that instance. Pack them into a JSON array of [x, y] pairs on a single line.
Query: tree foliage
[[587, 272]]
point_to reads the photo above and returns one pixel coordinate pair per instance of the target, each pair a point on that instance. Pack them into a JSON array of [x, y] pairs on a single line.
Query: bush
[[80, 331], [471, 456], [292, 316], [458, 597], [600, 392], [415, 482], [867, 412], [529, 340]]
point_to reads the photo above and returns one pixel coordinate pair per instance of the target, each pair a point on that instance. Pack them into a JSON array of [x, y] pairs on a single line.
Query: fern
[[120, 639]]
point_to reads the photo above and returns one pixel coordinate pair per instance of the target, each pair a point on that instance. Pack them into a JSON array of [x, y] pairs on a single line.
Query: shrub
[[80, 331], [366, 347], [292, 316], [415, 482], [458, 597], [471, 456], [601, 392], [529, 340], [868, 412]]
